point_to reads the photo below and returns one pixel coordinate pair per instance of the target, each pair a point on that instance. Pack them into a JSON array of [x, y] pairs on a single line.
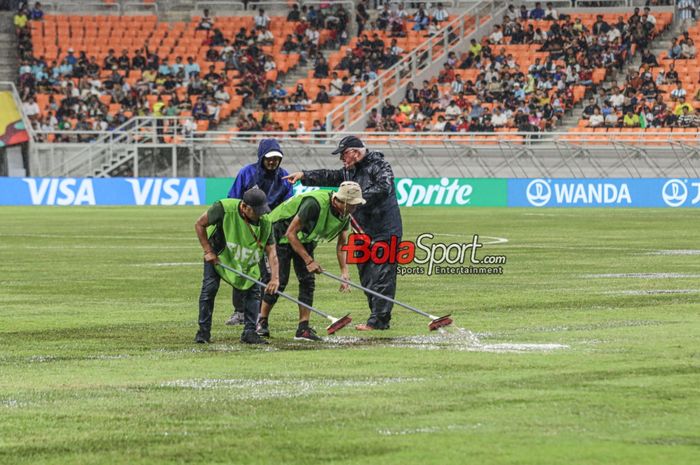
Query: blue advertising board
[[110, 191], [632, 192]]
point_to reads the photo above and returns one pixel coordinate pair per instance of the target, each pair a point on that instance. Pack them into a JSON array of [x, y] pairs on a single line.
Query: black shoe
[[251, 337], [306, 334], [263, 329], [202, 337]]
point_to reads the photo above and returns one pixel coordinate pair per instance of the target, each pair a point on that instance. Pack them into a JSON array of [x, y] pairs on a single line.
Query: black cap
[[349, 142], [256, 199]]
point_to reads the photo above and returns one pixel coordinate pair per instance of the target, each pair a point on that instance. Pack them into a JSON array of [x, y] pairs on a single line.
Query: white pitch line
[[166, 264], [641, 275], [494, 240], [675, 252]]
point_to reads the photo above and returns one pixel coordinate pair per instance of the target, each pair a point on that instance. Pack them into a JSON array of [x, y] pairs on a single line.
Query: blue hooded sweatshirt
[[277, 189]]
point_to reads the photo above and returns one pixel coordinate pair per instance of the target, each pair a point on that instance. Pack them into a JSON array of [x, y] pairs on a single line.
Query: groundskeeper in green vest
[[298, 225], [236, 233]]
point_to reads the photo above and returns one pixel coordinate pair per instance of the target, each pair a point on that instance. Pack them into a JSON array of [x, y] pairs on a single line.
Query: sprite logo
[[458, 192]]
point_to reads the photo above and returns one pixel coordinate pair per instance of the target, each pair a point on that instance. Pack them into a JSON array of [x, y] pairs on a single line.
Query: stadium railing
[[408, 68], [503, 153]]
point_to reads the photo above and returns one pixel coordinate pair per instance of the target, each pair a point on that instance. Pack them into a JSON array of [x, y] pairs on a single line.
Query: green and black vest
[[327, 227], [239, 245]]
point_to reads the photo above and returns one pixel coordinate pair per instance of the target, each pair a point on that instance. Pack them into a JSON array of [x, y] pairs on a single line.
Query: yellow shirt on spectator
[[475, 49], [21, 20], [678, 111], [631, 121], [158, 108]]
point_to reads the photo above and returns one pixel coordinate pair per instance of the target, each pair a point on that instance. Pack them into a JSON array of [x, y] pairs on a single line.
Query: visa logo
[[63, 191], [157, 191]]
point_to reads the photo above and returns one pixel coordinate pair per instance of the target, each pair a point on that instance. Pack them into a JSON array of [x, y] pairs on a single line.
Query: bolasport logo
[[424, 256]]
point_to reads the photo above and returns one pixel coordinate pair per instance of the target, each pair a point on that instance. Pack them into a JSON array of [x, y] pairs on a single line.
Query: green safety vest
[[241, 251], [327, 227]]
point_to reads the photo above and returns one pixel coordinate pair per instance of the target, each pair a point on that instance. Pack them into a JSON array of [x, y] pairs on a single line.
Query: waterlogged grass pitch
[[587, 348]]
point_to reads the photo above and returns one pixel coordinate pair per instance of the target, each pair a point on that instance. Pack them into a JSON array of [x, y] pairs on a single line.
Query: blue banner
[[632, 192], [109, 191], [617, 193]]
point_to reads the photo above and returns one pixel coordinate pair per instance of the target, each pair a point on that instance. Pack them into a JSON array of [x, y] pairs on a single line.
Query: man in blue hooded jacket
[[267, 175]]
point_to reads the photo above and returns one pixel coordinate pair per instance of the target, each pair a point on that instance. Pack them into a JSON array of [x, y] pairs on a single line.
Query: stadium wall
[[411, 192]]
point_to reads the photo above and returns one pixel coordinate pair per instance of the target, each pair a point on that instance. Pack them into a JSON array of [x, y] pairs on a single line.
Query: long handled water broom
[[436, 323], [336, 323]]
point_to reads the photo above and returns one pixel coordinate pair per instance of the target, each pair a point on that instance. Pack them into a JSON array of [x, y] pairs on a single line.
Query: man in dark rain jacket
[[267, 175], [379, 218]]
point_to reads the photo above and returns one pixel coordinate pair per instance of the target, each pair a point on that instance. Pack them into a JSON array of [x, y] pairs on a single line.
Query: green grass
[[97, 364]]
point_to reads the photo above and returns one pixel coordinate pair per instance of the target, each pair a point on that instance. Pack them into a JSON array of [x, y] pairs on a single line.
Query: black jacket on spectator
[[380, 216]]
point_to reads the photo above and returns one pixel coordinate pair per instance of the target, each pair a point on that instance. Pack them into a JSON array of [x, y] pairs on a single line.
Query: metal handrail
[[412, 62], [78, 6]]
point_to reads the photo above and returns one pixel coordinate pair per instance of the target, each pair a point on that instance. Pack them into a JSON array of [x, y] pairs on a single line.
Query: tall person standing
[[267, 175], [379, 217]]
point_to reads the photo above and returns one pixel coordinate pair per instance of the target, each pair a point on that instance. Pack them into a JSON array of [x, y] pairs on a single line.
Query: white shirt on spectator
[[496, 37], [313, 36], [452, 111], [440, 14], [613, 33], [262, 21], [551, 13], [30, 108], [596, 120], [651, 19], [499, 119], [439, 126], [617, 100], [611, 119]]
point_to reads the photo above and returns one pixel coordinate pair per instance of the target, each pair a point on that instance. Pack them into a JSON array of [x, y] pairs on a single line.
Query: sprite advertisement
[[415, 192]]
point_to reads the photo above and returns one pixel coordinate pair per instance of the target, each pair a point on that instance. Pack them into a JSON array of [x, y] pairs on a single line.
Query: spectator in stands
[[496, 37], [631, 120], [294, 14], [262, 20], [20, 21], [36, 13], [675, 51], [537, 12], [687, 119], [361, 16], [421, 19], [206, 23], [440, 14], [321, 69], [550, 13], [688, 50], [679, 92], [678, 110], [596, 119]]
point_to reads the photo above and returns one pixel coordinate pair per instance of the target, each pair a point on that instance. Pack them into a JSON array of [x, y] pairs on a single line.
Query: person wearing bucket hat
[[267, 175], [236, 233], [298, 225], [379, 218]]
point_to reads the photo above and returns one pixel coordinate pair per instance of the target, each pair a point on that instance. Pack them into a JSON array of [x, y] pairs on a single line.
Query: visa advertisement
[[410, 192]]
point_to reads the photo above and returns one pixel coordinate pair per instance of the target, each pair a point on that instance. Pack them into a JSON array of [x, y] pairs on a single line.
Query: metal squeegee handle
[[286, 296], [377, 294]]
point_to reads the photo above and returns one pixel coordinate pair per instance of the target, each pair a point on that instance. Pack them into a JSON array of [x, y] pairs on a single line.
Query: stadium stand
[[525, 75], [95, 72]]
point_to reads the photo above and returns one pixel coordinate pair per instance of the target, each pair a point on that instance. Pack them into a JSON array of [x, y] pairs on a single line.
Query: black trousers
[[249, 300], [307, 281], [238, 303], [380, 278]]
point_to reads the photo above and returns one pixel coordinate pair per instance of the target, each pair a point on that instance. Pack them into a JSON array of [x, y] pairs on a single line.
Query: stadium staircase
[[9, 63]]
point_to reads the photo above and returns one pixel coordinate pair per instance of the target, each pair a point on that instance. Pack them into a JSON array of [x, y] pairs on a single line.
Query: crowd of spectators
[[508, 93], [87, 94]]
